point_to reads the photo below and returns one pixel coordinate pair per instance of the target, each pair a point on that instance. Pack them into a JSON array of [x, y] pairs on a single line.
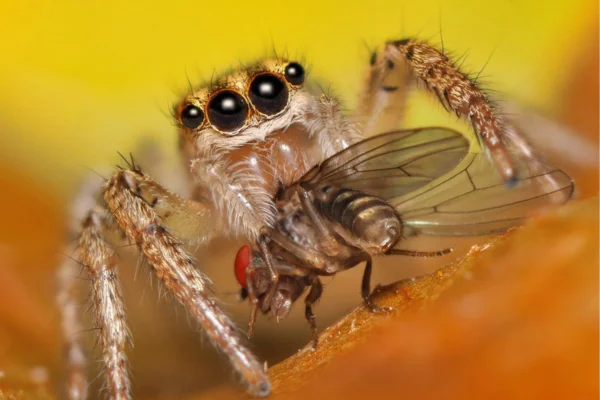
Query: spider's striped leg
[[86, 227], [69, 299], [141, 207], [382, 100], [100, 260], [93, 257], [401, 62]]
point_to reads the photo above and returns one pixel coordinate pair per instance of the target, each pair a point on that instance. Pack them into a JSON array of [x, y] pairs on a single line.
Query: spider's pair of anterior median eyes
[[227, 110]]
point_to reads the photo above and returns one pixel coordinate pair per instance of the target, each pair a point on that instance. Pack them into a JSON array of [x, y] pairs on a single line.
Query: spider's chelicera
[[254, 144]]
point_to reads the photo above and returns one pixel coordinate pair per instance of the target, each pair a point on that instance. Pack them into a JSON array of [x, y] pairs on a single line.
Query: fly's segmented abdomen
[[368, 218]]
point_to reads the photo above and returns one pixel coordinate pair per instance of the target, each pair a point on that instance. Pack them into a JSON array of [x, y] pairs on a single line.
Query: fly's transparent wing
[[474, 200], [392, 164], [437, 186]]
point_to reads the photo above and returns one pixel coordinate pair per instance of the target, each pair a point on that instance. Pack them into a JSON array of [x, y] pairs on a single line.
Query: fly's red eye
[[242, 259]]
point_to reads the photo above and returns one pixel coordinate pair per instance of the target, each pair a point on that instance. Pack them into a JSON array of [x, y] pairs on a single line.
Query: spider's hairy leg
[[456, 91], [551, 137], [98, 257], [68, 299], [382, 100], [125, 195], [90, 223]]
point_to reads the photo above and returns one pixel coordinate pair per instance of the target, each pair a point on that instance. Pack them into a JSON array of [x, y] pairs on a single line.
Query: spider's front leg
[[143, 209], [126, 197], [399, 63]]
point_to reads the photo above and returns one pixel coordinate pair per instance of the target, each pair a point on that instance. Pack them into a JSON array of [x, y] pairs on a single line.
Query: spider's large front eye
[[227, 111], [294, 73], [268, 94], [191, 116]]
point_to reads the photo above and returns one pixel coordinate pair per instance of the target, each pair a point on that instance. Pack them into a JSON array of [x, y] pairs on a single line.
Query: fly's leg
[[316, 290], [412, 253], [273, 274], [128, 197], [306, 257], [365, 290], [249, 292]]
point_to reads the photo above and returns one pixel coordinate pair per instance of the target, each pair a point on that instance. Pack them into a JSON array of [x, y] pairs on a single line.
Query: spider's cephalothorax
[[253, 131], [243, 139]]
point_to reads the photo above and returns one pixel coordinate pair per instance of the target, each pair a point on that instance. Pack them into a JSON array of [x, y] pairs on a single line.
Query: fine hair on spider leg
[[402, 61], [107, 304], [176, 271], [68, 300], [174, 268]]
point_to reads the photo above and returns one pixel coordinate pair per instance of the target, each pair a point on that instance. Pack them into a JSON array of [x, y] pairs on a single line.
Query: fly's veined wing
[[393, 164], [474, 200]]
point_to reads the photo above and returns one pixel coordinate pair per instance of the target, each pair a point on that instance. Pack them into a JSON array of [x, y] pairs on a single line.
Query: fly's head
[[244, 107], [254, 278]]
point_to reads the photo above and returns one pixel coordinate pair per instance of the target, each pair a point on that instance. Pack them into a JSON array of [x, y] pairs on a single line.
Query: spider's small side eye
[[191, 116], [294, 73], [268, 94], [227, 111]]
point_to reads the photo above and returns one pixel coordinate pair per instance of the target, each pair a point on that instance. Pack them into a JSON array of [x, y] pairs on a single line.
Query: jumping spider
[[242, 139]]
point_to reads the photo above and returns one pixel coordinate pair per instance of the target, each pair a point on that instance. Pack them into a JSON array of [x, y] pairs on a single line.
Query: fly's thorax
[[372, 221]]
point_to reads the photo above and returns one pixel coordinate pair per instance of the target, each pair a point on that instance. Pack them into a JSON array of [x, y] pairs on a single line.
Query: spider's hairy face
[[246, 106]]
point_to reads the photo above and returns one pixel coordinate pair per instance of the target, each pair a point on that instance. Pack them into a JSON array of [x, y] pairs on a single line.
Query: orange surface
[[515, 320]]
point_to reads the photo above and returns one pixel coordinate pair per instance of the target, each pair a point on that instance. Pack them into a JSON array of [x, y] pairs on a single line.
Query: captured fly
[[363, 201]]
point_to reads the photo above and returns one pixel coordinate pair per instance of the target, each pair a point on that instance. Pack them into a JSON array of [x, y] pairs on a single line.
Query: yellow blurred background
[[81, 80]]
